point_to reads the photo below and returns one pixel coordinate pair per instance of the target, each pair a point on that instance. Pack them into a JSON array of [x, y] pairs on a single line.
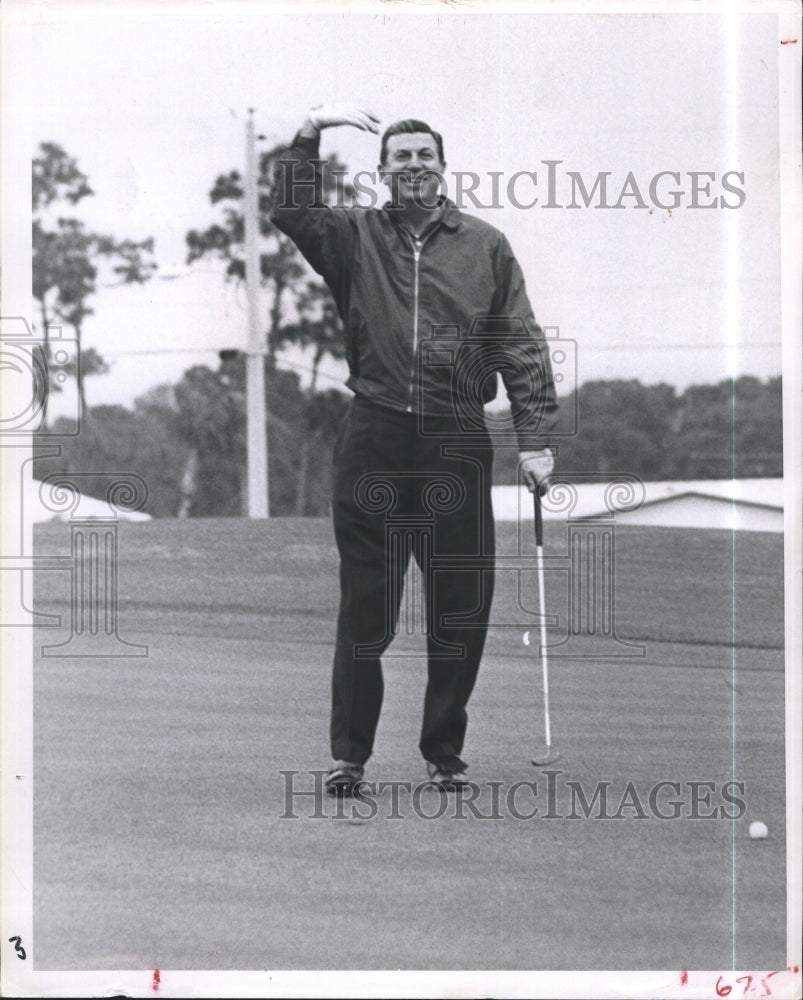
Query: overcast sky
[[152, 101]]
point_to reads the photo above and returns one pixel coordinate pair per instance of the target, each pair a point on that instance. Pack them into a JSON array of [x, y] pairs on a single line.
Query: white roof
[[35, 511], [590, 496], [766, 492]]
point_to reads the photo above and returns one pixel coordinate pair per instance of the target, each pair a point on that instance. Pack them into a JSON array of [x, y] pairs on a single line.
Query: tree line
[[188, 440], [730, 430]]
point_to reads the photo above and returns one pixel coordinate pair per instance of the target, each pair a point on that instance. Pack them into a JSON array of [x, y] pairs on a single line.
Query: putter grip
[[539, 522]]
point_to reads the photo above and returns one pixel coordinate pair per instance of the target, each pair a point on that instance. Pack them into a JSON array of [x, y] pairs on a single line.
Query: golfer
[[412, 465]]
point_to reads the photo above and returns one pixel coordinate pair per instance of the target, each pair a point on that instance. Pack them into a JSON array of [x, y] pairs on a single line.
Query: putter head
[[548, 755]]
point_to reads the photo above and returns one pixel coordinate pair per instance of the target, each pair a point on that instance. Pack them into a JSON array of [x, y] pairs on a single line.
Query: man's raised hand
[[328, 115]]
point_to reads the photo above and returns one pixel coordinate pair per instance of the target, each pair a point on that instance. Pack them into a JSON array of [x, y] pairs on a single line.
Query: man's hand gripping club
[[536, 468]]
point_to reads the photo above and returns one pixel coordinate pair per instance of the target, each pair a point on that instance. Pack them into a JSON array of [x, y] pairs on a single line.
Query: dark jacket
[[427, 326]]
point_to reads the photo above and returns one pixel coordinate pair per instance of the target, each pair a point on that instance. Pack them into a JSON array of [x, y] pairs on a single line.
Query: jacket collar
[[449, 213], [450, 217]]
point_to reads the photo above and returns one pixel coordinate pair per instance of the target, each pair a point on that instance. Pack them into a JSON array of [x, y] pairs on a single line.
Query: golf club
[[548, 755]]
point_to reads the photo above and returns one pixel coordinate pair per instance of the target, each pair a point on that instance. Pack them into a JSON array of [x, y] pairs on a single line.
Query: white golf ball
[[758, 830]]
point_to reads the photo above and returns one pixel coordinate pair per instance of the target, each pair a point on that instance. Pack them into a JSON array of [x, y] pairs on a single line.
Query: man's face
[[412, 167]]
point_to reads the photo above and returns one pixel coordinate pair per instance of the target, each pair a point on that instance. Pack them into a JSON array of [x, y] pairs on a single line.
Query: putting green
[[163, 837]]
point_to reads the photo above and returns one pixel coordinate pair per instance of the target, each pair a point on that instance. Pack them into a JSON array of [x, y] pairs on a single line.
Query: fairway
[[163, 833]]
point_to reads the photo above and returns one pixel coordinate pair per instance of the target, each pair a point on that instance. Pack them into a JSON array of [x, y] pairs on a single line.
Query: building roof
[[716, 503], [63, 507]]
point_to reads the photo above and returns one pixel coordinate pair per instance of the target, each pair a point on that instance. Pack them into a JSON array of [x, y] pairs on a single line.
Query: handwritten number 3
[[17, 942]]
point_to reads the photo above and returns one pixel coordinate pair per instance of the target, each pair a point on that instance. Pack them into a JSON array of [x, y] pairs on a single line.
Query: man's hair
[[409, 126]]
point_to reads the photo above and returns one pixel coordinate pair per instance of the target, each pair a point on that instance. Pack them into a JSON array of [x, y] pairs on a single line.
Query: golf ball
[[758, 830]]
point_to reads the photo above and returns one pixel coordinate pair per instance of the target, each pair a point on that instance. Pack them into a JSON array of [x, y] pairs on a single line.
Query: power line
[[682, 347], [585, 347], [162, 350], [214, 350]]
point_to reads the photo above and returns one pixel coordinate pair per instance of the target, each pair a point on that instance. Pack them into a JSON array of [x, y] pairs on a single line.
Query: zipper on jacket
[[418, 246]]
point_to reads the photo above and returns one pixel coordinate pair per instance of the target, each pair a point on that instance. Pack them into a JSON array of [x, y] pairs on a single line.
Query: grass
[[159, 841]]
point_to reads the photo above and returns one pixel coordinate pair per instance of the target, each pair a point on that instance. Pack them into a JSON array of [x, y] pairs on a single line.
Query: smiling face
[[412, 168]]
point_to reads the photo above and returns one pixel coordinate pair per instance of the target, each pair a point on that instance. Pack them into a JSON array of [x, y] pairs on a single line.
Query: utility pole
[[255, 354]]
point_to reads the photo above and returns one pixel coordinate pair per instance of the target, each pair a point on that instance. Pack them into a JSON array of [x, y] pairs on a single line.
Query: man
[[412, 465]]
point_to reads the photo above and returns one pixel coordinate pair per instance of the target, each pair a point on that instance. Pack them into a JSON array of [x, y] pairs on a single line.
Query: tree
[[210, 419], [161, 451], [66, 256], [284, 274], [623, 427], [734, 428], [731, 429], [318, 327], [144, 441], [283, 270]]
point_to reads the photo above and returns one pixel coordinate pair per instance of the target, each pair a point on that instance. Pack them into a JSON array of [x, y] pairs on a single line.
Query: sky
[[152, 98]]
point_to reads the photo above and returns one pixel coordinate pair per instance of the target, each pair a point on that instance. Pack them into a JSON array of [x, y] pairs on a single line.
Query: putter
[[547, 755]]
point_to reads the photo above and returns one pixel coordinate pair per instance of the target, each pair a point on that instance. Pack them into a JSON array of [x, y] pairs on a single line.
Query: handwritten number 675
[[724, 989]]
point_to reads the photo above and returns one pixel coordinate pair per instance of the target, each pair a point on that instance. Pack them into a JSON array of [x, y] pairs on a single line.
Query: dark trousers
[[401, 491]]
